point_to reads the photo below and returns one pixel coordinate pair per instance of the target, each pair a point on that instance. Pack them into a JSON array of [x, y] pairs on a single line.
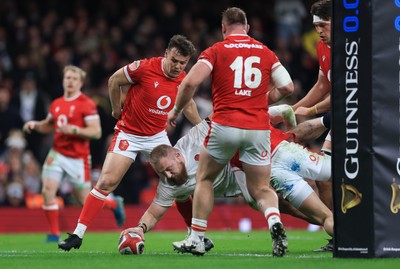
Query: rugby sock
[[185, 209], [80, 230], [93, 205], [52, 212], [272, 215], [199, 227]]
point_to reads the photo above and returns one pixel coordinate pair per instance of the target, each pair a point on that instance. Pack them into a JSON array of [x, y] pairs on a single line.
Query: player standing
[[318, 99], [75, 120], [241, 69], [153, 85]]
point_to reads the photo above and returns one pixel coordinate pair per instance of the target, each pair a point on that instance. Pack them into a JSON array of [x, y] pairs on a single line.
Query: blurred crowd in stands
[[39, 37]]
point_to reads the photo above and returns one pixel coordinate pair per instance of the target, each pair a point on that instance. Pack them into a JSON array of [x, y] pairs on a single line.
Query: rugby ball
[[131, 244]]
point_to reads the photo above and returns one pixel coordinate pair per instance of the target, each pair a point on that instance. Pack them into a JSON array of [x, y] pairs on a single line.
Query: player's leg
[[312, 165], [185, 209], [203, 202], [207, 171], [256, 160], [78, 174], [220, 148], [52, 174], [325, 187], [114, 168], [314, 208], [51, 208], [258, 188], [318, 211], [287, 208], [267, 202], [302, 196]]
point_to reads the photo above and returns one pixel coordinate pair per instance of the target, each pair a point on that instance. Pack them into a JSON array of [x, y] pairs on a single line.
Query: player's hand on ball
[[135, 230]]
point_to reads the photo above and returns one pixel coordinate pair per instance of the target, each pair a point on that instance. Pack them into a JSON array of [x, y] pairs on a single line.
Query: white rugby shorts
[[130, 145], [254, 145], [60, 167], [291, 164]]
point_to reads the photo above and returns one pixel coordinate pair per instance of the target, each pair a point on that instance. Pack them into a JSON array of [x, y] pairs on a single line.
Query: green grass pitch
[[233, 250]]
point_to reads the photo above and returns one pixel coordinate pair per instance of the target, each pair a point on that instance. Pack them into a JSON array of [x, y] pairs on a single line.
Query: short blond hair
[[75, 69], [161, 151]]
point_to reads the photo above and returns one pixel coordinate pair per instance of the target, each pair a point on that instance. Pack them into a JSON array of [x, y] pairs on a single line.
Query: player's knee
[[49, 191], [263, 192], [106, 184]]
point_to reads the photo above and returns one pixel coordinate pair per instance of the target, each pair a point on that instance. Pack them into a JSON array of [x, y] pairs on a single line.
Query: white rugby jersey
[[190, 145]]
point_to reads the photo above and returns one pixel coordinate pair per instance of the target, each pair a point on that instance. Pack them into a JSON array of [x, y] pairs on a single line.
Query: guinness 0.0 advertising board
[[366, 127]]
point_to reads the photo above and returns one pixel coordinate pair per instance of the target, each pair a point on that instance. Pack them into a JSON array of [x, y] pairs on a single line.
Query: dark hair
[[234, 15], [182, 44], [322, 9]]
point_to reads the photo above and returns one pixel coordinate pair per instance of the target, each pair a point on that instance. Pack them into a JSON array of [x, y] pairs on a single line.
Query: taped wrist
[[143, 226], [76, 130]]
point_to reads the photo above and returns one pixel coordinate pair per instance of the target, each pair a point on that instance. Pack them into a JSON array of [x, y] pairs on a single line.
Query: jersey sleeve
[[207, 57], [133, 71], [163, 197], [273, 58], [90, 112]]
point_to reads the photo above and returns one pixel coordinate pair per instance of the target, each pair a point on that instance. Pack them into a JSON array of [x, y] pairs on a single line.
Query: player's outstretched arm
[[309, 130], [191, 113], [317, 93], [197, 74], [149, 219]]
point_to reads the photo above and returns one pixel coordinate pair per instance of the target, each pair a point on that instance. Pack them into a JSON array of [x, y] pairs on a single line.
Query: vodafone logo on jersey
[[163, 102]]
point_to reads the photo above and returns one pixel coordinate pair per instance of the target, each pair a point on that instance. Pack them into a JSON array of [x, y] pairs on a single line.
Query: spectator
[[9, 117], [3, 182], [40, 37], [289, 16], [32, 105], [15, 194]]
